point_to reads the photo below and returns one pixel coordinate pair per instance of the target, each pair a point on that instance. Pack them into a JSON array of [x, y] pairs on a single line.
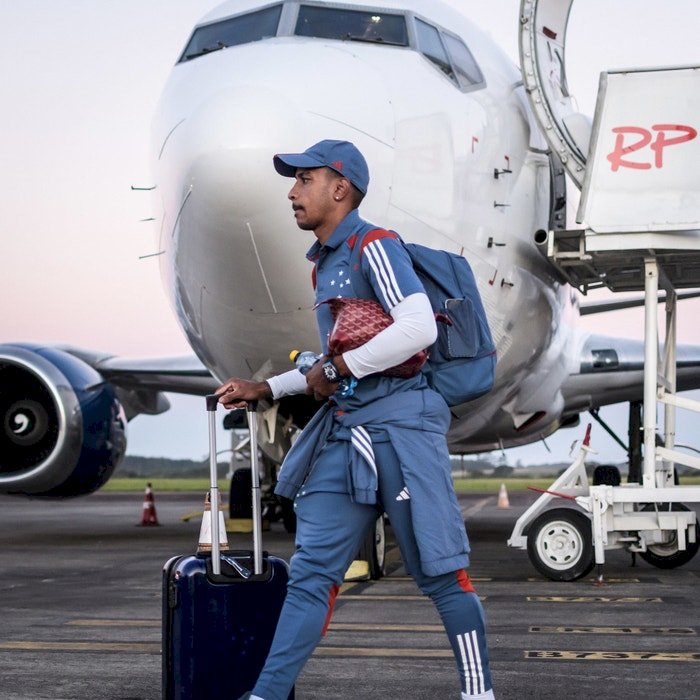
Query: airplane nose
[[234, 110], [230, 201]]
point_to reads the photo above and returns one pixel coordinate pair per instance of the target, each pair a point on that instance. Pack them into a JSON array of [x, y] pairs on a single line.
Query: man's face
[[312, 197]]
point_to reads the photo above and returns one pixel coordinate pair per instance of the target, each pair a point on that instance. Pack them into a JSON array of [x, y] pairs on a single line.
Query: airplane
[[458, 161]]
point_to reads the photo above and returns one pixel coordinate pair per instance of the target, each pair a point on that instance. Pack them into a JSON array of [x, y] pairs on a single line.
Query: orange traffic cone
[[205, 531], [503, 501], [149, 516]]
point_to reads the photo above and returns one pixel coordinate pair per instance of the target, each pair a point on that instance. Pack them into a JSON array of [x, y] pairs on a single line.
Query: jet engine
[[62, 429]]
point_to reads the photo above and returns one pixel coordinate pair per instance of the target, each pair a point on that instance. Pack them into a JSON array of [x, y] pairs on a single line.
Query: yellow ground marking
[[378, 652], [668, 631], [114, 623], [140, 647], [401, 579], [369, 596], [535, 579], [589, 599], [193, 514], [340, 626], [378, 627], [468, 512], [614, 655]]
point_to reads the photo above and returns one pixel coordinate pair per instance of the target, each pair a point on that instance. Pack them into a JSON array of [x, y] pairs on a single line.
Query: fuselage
[[453, 165]]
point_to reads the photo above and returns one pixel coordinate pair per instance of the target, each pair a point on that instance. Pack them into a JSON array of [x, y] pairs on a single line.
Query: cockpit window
[[243, 29], [449, 54], [431, 47], [465, 66], [352, 25]]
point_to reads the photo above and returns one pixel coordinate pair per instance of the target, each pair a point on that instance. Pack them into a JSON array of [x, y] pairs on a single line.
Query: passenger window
[[243, 29], [430, 45], [467, 70], [352, 25]]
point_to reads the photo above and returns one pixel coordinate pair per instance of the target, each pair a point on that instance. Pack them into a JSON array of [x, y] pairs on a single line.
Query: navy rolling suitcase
[[220, 611]]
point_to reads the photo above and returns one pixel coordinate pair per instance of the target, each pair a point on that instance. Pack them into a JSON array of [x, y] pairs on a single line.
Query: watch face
[[330, 372]]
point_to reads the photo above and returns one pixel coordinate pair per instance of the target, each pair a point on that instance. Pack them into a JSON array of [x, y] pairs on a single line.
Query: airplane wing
[[598, 307], [612, 371], [139, 382]]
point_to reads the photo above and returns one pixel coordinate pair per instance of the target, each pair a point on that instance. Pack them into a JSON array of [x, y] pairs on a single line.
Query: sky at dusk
[[80, 85]]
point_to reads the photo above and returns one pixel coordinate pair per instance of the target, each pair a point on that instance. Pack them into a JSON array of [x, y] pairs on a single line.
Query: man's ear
[[342, 189]]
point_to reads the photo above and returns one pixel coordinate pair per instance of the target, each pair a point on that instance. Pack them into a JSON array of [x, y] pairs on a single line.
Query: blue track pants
[[330, 529]]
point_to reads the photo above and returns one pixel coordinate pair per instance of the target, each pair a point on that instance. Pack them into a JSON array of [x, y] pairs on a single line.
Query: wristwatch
[[330, 372]]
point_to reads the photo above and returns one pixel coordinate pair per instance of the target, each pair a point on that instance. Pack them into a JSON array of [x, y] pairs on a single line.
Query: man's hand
[[317, 384], [235, 392]]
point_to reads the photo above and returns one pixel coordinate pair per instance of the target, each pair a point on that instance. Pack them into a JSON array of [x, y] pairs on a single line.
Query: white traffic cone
[[503, 501], [205, 531], [148, 516]]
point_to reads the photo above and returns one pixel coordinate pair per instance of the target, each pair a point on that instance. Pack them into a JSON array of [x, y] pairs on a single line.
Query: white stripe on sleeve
[[384, 274]]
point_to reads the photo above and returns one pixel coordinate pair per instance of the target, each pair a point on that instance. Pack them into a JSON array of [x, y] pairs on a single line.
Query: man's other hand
[[234, 392]]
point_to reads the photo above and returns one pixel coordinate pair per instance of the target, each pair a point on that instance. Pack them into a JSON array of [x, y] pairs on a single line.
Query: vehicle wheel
[[607, 474], [373, 549], [666, 555], [560, 544], [240, 504]]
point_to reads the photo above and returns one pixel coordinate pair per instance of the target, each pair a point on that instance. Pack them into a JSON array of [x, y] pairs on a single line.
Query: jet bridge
[[640, 230]]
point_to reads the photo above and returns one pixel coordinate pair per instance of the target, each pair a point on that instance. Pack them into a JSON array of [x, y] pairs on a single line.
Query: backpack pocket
[[459, 337]]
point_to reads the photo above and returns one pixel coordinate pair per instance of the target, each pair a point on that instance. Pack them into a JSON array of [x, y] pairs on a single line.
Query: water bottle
[[306, 360]]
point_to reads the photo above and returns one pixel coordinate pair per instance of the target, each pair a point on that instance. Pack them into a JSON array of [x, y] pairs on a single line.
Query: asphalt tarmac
[[80, 605]]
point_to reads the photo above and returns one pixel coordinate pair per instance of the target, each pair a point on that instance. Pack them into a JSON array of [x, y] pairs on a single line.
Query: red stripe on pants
[[332, 595]]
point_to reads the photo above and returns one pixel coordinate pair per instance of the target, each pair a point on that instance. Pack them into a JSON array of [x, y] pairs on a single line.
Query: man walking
[[383, 448]]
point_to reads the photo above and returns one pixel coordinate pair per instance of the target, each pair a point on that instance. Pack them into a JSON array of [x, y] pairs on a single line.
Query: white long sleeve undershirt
[[413, 329]]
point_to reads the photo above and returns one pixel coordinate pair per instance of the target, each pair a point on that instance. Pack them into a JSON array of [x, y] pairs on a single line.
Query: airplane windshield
[[243, 29], [352, 25]]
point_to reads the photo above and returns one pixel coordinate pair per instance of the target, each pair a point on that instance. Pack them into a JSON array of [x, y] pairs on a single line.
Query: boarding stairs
[[640, 231]]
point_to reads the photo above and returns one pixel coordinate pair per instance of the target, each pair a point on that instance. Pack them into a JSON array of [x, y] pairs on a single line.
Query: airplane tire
[[667, 555], [373, 549], [560, 544]]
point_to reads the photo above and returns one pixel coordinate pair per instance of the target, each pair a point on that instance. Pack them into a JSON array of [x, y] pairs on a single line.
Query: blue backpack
[[462, 361]]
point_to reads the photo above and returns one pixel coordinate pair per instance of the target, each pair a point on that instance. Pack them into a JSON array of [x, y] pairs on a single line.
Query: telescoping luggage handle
[[212, 403]]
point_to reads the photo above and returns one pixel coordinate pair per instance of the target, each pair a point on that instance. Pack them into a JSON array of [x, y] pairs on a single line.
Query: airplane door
[[542, 39]]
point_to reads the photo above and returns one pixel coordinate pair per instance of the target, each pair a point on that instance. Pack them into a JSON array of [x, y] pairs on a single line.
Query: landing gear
[[560, 544], [667, 555], [373, 549], [239, 499]]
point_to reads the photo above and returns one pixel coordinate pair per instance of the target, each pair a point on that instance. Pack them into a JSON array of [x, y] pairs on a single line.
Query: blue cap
[[341, 156]]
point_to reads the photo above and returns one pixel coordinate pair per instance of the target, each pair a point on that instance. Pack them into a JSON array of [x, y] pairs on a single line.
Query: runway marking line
[[539, 579], [114, 623], [379, 627], [339, 626], [379, 652], [479, 505], [369, 596], [612, 655], [402, 579], [589, 599], [139, 647], [575, 629]]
